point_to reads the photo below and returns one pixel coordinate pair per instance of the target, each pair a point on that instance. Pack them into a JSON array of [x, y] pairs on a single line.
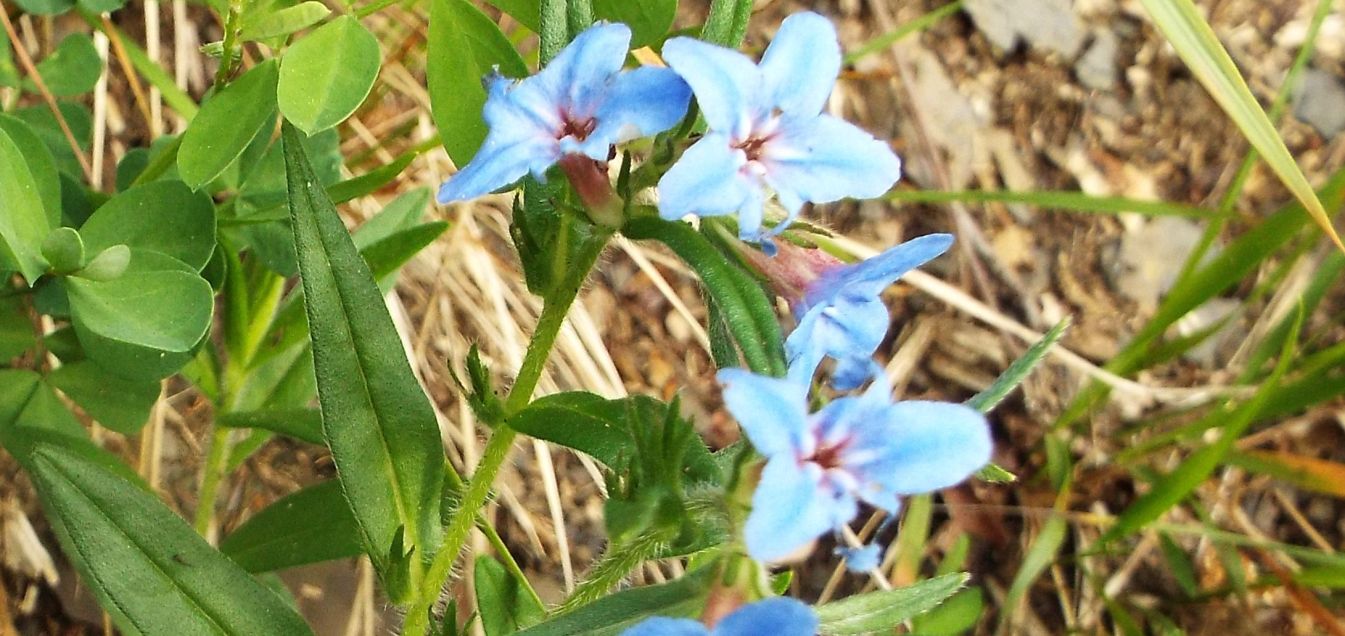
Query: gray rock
[[1319, 101], [1048, 25], [1096, 68]]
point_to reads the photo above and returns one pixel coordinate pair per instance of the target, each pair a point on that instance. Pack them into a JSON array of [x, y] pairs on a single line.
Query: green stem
[[215, 464], [231, 29], [554, 310]]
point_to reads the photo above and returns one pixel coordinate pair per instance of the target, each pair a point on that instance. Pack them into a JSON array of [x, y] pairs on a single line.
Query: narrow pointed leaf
[[883, 611], [1195, 42], [378, 423], [147, 567], [309, 526]]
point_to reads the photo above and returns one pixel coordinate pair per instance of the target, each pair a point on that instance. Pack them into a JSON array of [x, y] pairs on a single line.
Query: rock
[[1096, 68], [1048, 25], [1151, 257], [1319, 101]]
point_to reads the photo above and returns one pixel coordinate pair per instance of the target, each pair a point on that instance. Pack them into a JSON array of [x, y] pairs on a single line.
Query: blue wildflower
[[841, 314], [862, 559], [767, 131], [580, 104], [864, 447], [778, 616]]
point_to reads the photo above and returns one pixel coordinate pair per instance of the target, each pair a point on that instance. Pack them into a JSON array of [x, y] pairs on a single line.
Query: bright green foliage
[[884, 610], [376, 420], [228, 121], [325, 76], [41, 165], [164, 217], [16, 332], [259, 25], [649, 20], [464, 46], [64, 250], [614, 613], [72, 69], [45, 7], [24, 225]]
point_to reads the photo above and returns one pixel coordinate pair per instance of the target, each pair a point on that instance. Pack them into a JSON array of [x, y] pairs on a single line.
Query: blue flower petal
[[578, 76], [496, 166], [778, 616], [823, 159], [792, 506], [772, 412], [862, 559], [918, 447], [664, 626], [843, 327], [726, 83], [707, 181], [800, 66], [642, 102], [871, 276]]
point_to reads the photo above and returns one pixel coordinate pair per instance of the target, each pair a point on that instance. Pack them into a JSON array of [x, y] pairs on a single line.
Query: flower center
[[579, 128], [753, 147], [829, 457]]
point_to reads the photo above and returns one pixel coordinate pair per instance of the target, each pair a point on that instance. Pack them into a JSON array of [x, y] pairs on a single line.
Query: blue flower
[[580, 104], [842, 315], [778, 616], [819, 466], [861, 559], [767, 131]]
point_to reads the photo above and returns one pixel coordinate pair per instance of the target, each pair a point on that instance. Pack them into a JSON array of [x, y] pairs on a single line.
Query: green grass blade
[[1018, 371], [1197, 45], [1055, 199], [1038, 558], [895, 35]]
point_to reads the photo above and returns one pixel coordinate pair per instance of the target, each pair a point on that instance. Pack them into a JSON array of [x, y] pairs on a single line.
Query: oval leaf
[[326, 75], [117, 403], [41, 165], [285, 21], [649, 20], [72, 69], [150, 571], [146, 322], [227, 123], [162, 216]]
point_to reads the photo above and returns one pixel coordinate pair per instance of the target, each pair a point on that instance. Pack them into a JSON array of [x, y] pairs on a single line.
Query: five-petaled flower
[[862, 447], [577, 107], [767, 131], [841, 312], [778, 616]]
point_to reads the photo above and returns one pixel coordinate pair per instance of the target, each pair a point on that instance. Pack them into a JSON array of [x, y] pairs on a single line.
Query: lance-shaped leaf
[[882, 611], [23, 225], [309, 526], [149, 570], [1195, 42], [376, 420], [227, 123]]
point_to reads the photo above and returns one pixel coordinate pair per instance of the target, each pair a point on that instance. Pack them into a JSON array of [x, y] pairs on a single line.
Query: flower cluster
[[766, 130]]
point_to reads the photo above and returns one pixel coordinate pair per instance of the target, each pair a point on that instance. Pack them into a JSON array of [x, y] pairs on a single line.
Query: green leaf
[[403, 213], [727, 22], [389, 254], [108, 264], [265, 25], [1195, 42], [149, 570], [464, 47], [503, 603], [611, 614], [16, 330], [41, 165], [45, 7], [986, 400], [378, 423], [1039, 556], [884, 610], [163, 216], [649, 20], [310, 526], [9, 74], [72, 69], [44, 124], [326, 75], [958, 615], [227, 123], [371, 181], [101, 6], [23, 226], [119, 404], [145, 323], [742, 304], [527, 12], [64, 250], [300, 423]]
